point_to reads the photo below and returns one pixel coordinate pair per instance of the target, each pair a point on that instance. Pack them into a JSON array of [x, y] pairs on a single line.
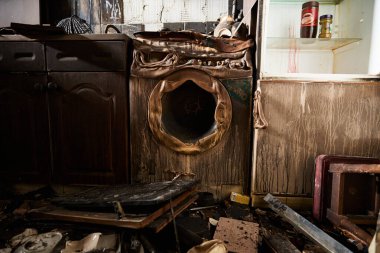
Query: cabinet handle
[[52, 86], [38, 87]]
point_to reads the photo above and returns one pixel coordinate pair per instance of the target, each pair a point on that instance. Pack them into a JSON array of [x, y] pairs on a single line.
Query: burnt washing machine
[[190, 110]]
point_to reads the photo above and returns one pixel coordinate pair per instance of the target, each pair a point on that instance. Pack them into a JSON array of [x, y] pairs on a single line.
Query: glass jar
[[325, 21], [309, 19]]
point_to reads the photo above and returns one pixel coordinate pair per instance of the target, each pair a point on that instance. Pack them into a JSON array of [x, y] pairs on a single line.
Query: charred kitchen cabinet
[[24, 141], [24, 131], [73, 127], [318, 95]]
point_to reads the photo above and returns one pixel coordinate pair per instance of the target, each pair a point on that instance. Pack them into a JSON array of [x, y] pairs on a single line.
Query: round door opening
[[188, 112]]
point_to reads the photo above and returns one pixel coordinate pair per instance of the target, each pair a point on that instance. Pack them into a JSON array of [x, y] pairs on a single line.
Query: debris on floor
[[238, 236], [305, 226], [347, 195], [124, 206], [323, 181], [374, 247], [93, 242], [239, 198], [184, 220], [212, 246], [279, 243], [43, 243], [354, 198]]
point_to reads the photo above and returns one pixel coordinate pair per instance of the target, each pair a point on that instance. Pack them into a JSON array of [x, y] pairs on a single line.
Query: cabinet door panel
[[24, 136], [88, 124]]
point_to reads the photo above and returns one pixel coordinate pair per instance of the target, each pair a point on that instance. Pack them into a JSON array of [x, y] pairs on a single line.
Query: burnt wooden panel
[[225, 165], [89, 130], [307, 119], [24, 133]]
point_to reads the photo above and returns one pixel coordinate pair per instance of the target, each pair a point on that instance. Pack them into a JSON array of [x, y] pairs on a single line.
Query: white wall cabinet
[[350, 51]]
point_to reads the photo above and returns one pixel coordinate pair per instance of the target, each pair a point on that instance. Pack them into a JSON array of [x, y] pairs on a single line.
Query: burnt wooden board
[[161, 222], [307, 119], [111, 219], [129, 196], [280, 244], [238, 236]]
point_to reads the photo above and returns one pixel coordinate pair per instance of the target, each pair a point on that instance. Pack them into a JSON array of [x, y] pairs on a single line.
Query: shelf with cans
[[310, 43], [319, 37]]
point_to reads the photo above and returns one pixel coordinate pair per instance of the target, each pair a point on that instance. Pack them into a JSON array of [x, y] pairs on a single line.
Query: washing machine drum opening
[[189, 111]]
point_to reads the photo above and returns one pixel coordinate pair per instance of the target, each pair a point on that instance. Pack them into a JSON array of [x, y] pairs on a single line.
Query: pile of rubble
[[173, 216]]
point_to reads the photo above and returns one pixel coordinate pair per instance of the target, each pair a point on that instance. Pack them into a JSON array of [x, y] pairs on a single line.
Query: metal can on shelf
[[325, 21], [309, 19]]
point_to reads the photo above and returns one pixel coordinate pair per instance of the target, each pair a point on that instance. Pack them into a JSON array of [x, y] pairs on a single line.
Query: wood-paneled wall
[[307, 119]]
